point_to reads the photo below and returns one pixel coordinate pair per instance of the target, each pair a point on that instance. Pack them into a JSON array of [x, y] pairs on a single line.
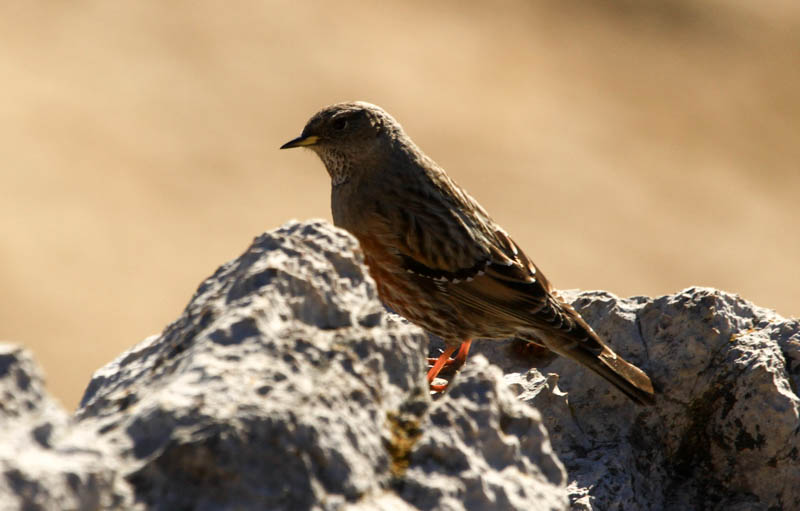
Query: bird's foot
[[447, 363], [444, 360]]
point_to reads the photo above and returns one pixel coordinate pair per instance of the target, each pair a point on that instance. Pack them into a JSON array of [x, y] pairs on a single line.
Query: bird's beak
[[301, 141]]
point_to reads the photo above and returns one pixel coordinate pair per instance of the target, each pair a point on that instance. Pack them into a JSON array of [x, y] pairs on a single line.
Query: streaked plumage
[[435, 254]]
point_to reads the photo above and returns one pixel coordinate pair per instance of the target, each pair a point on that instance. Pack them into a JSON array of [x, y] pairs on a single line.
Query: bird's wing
[[442, 234], [474, 261], [431, 239], [481, 267], [512, 286]]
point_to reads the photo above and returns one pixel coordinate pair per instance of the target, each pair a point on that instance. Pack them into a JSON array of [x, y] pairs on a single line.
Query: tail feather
[[632, 381], [629, 379]]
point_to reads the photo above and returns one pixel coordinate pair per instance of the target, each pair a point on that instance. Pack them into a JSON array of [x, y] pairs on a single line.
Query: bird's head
[[347, 135]]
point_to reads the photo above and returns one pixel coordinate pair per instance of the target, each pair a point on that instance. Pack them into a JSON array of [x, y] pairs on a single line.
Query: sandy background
[[637, 147]]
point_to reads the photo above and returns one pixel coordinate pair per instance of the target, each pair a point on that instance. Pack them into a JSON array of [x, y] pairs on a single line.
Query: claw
[[445, 360], [438, 388]]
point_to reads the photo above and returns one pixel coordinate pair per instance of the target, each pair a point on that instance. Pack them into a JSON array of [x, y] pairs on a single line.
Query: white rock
[[724, 433], [286, 385], [45, 461]]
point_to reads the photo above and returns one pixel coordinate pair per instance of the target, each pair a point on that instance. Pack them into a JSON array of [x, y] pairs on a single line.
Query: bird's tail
[[629, 379]]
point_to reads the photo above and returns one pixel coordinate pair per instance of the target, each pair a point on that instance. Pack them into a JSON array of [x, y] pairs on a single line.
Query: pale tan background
[[637, 147]]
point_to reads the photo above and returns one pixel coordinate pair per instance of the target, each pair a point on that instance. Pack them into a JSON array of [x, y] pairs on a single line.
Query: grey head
[[350, 136]]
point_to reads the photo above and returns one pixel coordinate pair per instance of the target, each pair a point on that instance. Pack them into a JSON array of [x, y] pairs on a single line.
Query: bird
[[435, 254]]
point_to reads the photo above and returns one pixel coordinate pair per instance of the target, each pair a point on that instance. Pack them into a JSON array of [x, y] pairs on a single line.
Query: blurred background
[[636, 147]]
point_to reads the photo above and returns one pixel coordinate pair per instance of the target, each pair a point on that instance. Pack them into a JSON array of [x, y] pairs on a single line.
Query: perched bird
[[435, 254]]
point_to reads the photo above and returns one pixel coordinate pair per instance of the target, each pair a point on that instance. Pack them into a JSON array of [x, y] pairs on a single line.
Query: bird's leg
[[459, 359], [463, 351], [444, 359], [440, 363]]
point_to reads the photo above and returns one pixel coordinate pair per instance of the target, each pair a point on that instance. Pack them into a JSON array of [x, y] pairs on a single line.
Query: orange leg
[[460, 358], [444, 360]]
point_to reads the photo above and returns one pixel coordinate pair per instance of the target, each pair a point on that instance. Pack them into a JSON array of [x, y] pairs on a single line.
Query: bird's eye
[[339, 124]]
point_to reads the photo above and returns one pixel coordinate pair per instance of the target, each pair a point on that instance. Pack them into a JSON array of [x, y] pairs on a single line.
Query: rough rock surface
[[285, 385], [724, 433], [45, 461]]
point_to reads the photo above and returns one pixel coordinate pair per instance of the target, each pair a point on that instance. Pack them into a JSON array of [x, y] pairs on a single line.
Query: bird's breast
[[348, 207]]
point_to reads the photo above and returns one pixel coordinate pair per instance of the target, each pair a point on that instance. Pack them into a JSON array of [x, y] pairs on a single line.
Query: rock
[[480, 448], [45, 461], [286, 385], [724, 433]]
